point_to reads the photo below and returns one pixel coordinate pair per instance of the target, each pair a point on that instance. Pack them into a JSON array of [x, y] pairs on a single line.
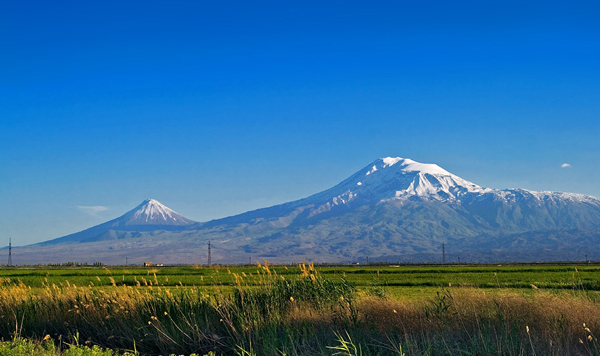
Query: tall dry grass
[[266, 314], [471, 321], [158, 320]]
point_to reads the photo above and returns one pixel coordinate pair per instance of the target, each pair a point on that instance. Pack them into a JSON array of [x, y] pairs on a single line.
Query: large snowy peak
[[404, 185], [395, 178]]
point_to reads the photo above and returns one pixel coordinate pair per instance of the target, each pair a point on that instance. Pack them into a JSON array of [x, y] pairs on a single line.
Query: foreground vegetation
[[20, 347], [300, 311]]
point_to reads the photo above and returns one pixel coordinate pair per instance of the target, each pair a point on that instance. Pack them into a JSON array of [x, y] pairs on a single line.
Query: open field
[[552, 276], [302, 310]]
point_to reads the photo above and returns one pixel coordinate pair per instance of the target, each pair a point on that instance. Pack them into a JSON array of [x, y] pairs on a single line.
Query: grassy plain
[[306, 310], [567, 276]]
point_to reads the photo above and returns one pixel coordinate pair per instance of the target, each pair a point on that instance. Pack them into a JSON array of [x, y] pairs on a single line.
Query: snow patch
[[390, 161], [373, 170], [153, 212]]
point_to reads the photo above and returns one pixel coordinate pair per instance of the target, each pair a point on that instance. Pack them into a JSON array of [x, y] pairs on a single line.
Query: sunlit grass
[[266, 310]]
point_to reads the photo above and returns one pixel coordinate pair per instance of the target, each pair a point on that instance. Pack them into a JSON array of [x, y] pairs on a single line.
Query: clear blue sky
[[215, 108]]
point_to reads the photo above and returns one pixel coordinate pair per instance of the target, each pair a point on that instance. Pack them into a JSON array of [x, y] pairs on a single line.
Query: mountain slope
[[150, 215], [394, 208], [402, 187], [397, 206]]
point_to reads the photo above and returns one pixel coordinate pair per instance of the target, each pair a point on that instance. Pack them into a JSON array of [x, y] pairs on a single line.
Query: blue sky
[[216, 108]]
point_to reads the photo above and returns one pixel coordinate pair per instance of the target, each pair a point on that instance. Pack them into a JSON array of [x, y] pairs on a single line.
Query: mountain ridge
[[392, 207], [402, 185]]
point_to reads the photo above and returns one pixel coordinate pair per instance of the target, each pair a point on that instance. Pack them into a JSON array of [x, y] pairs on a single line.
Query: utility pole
[[367, 259], [249, 260], [125, 261], [443, 253], [9, 252], [209, 261]]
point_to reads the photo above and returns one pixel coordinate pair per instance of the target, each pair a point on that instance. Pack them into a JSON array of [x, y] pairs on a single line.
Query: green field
[[580, 277], [303, 310]]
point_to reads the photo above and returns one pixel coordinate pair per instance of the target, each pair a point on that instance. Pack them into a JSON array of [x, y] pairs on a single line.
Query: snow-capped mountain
[[150, 215], [151, 212], [399, 179], [400, 207], [394, 209]]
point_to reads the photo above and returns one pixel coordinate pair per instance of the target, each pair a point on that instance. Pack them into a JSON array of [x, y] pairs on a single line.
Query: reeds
[[159, 320], [469, 321], [264, 313]]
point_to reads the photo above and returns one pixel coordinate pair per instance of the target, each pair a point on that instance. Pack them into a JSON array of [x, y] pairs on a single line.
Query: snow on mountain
[[393, 207], [545, 195], [152, 212], [398, 179], [394, 178], [151, 215]]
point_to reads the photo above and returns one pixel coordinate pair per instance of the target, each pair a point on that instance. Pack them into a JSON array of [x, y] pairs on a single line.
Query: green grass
[[493, 276], [276, 310], [477, 276], [23, 347]]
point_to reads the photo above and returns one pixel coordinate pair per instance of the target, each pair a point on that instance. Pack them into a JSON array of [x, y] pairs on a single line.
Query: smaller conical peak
[[151, 211], [407, 165]]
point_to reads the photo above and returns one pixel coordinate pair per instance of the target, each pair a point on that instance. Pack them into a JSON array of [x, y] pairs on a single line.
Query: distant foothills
[[393, 210]]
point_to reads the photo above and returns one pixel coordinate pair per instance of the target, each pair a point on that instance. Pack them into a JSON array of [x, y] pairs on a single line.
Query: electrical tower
[[9, 252], [209, 261], [443, 253]]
